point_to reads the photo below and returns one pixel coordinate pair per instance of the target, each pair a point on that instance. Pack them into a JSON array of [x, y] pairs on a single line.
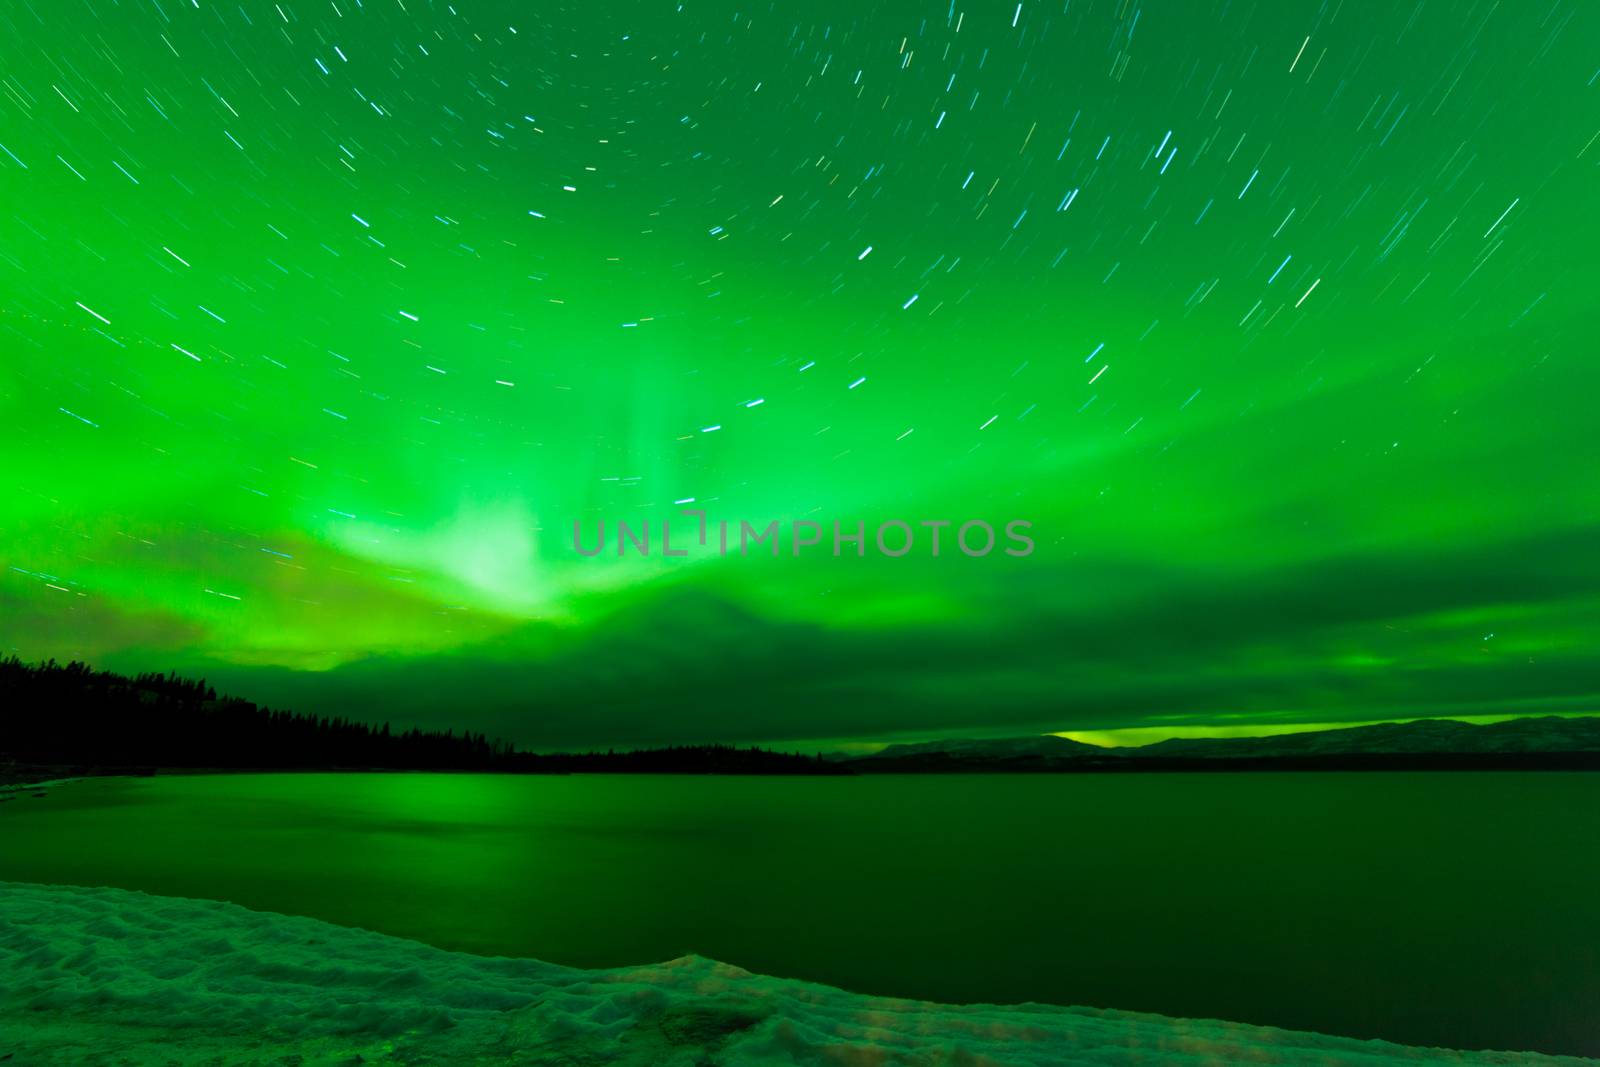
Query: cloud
[[1066, 644]]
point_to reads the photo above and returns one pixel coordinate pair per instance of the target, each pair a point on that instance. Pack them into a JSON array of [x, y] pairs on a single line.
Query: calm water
[[1450, 909]]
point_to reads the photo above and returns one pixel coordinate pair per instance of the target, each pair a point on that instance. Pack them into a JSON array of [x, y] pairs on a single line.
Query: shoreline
[[102, 976]]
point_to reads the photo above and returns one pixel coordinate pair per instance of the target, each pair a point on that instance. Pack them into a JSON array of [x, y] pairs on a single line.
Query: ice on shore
[[107, 976]]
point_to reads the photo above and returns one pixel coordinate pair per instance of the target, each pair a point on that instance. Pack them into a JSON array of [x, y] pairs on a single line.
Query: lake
[[1453, 909]]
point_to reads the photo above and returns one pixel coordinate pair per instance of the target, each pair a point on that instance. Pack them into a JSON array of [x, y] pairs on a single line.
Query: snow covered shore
[[106, 976]]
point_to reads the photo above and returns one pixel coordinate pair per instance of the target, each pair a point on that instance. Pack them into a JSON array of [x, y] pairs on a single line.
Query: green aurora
[[323, 323]]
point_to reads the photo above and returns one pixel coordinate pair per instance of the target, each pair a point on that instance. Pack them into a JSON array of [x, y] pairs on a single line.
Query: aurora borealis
[[322, 323]]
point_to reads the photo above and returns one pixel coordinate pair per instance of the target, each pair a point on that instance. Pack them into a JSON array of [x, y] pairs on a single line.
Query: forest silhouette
[[72, 716]]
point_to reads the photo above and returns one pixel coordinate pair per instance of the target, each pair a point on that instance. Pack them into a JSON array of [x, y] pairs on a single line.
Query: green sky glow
[[322, 324]]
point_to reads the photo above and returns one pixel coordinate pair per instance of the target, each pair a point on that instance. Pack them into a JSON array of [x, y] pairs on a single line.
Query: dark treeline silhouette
[[70, 715]]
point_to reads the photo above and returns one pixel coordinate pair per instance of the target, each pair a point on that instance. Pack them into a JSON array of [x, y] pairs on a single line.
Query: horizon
[[856, 747]]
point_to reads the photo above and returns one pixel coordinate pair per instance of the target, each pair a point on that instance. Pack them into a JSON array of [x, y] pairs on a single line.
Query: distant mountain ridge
[[1544, 734], [1534, 743], [66, 720]]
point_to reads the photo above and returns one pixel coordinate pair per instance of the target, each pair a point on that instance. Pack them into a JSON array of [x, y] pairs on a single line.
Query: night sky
[[323, 322]]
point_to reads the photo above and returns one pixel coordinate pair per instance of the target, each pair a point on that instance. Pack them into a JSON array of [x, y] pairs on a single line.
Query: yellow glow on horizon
[[1137, 736]]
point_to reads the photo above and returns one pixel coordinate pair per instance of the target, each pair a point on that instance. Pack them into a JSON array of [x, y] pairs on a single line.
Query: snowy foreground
[[106, 976]]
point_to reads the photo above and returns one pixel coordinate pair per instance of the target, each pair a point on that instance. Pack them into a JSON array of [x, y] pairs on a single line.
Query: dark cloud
[[1059, 645]]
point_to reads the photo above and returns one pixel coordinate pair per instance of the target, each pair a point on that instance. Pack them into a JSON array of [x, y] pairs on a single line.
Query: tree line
[[54, 714]]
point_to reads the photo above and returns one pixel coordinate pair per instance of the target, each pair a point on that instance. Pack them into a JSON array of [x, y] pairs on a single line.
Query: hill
[[1543, 743]]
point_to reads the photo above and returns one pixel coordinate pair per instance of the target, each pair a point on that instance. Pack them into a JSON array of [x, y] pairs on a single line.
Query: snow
[[107, 976]]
